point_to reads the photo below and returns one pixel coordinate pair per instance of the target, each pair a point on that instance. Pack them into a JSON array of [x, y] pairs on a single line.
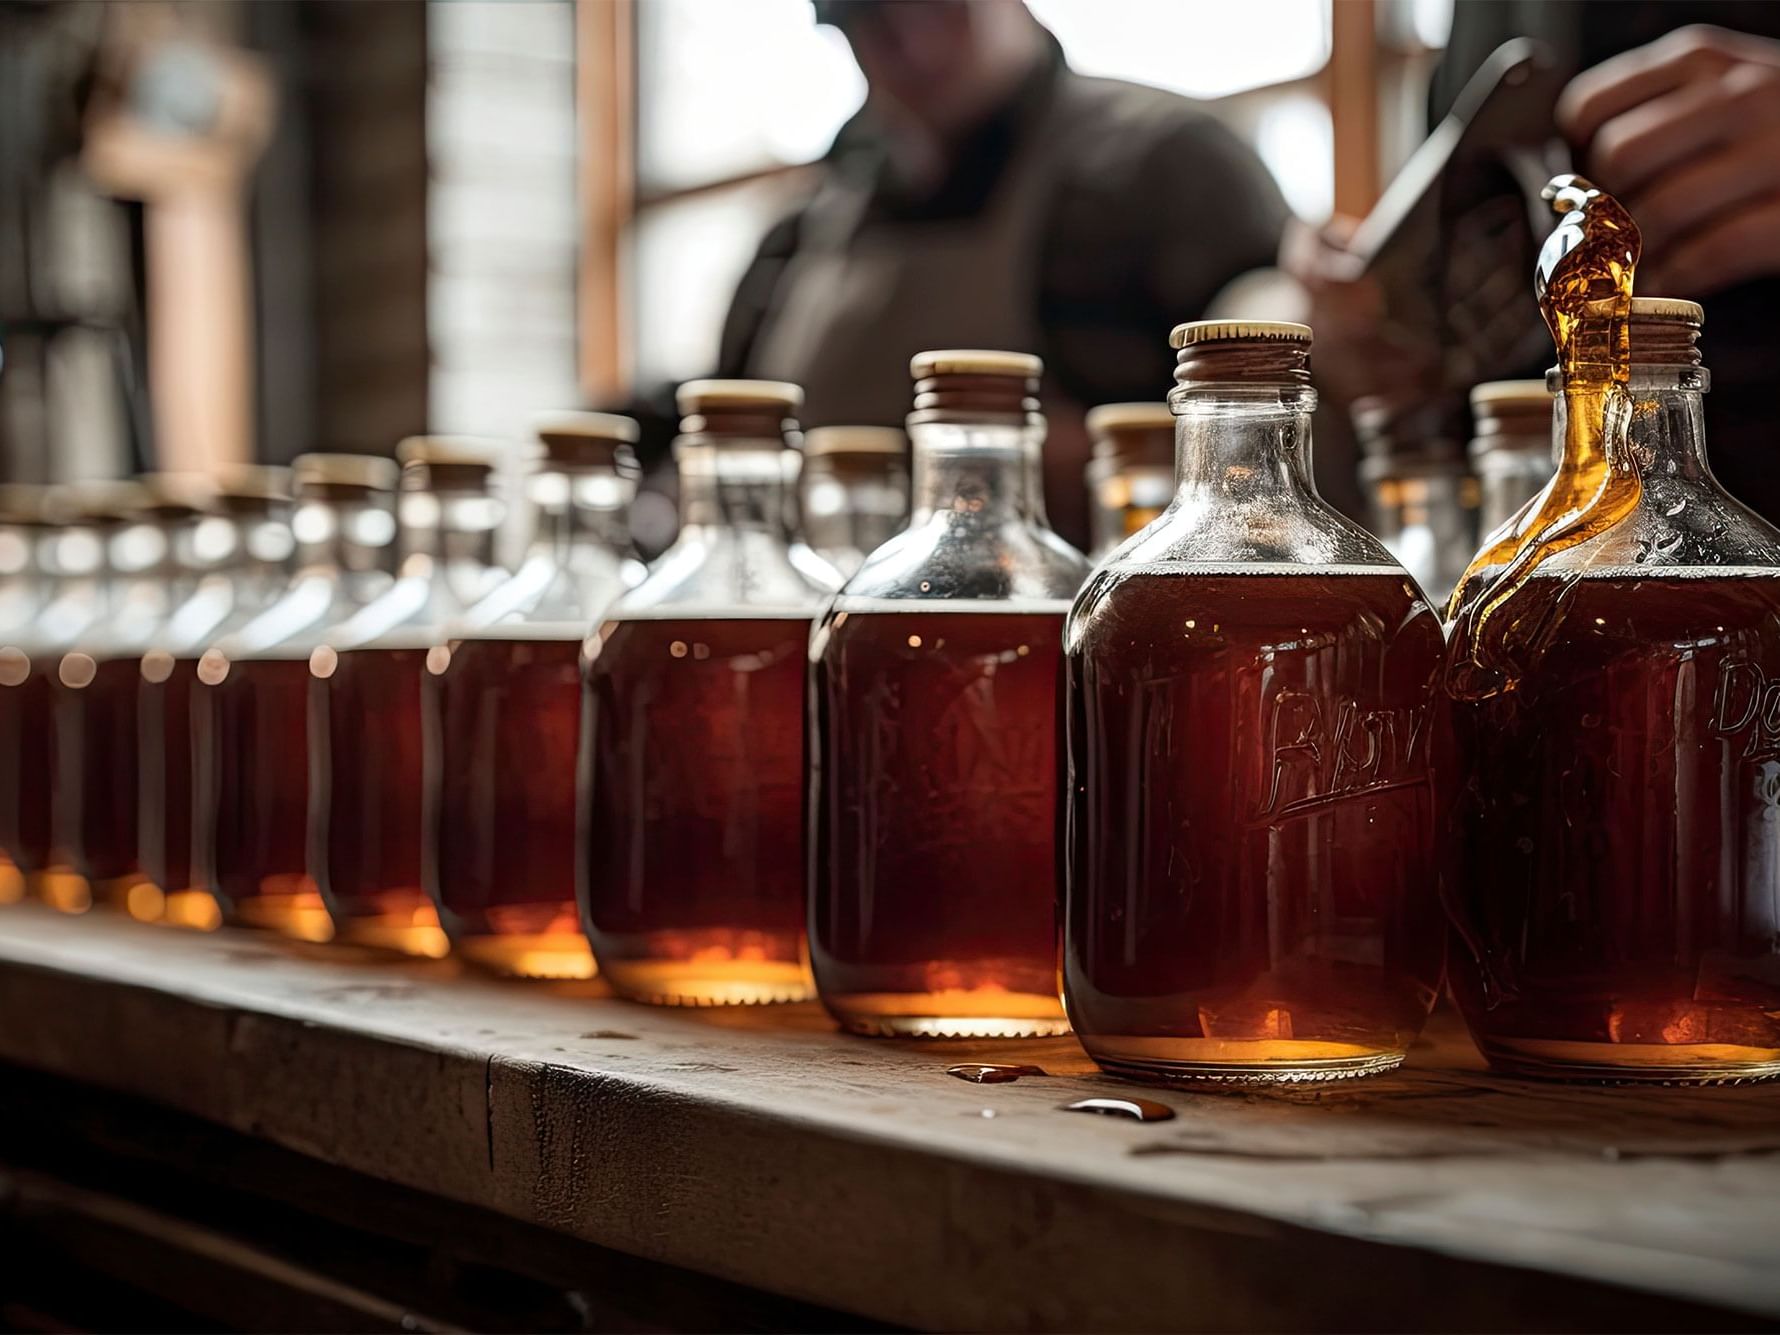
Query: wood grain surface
[[765, 1148]]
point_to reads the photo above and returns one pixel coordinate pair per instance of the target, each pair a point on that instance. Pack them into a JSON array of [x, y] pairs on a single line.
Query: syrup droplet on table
[[1138, 1110], [990, 1074]]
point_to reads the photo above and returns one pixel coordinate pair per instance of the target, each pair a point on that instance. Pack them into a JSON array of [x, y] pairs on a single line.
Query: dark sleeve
[[1151, 224], [754, 296]]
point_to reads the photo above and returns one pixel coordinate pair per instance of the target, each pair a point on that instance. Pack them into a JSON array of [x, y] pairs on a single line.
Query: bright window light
[[1203, 48]]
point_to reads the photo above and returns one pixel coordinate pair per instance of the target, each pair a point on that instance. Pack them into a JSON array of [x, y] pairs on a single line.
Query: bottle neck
[[350, 536], [733, 488], [579, 516], [1234, 443], [1668, 428], [974, 473]]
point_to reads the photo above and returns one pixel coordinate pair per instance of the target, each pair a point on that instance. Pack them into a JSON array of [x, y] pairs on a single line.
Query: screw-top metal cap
[[831, 440], [702, 396], [248, 487], [23, 504], [353, 472], [1109, 418], [1498, 394], [587, 440], [98, 501], [1668, 308], [174, 496], [975, 361], [1246, 331]]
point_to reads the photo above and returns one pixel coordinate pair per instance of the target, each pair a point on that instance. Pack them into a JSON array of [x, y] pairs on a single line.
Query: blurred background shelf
[[371, 1142]]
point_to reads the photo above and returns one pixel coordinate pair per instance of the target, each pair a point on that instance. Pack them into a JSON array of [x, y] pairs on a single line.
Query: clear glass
[[853, 506], [1508, 476], [1252, 685], [1122, 499], [503, 703], [1426, 516], [366, 751], [1615, 841], [154, 566], [689, 839], [73, 594], [247, 557], [933, 785], [250, 770]]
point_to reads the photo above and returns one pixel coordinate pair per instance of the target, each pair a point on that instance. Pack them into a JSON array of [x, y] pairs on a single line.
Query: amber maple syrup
[[934, 902], [366, 751], [934, 690], [1253, 702], [1614, 837], [503, 704], [250, 766], [26, 761], [692, 807], [689, 841]]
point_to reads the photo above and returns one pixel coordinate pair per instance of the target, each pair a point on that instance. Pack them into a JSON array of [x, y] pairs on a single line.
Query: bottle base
[[299, 914], [1174, 1061], [708, 983], [959, 1014], [1631, 1063], [400, 933], [134, 895], [62, 889], [529, 954], [196, 910], [12, 882]]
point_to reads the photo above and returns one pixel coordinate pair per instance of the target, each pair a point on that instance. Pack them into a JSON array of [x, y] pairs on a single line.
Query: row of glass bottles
[[1267, 759]]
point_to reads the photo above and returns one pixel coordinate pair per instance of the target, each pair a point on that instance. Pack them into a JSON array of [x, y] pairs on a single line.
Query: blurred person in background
[[1673, 106], [988, 196]]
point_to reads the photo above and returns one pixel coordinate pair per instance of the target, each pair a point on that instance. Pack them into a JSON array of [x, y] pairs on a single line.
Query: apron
[[855, 304]]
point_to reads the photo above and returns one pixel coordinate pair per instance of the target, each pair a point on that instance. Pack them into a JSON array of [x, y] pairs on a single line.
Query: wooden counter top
[[762, 1147]]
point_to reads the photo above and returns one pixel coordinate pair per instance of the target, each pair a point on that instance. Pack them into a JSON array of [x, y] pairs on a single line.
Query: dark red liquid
[[365, 775], [934, 867], [26, 760], [1252, 875], [1616, 878], [95, 796], [164, 770], [503, 721], [690, 838], [250, 793]]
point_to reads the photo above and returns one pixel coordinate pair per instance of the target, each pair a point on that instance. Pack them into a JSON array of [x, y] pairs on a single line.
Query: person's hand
[[1686, 131], [1359, 353]]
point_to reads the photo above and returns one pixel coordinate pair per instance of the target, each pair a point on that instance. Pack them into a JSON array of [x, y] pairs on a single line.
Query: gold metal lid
[[1668, 308], [587, 426], [700, 396], [1110, 417], [369, 472], [1254, 331], [23, 503], [975, 361], [99, 501], [1510, 393], [172, 495], [822, 440], [449, 452], [253, 482]]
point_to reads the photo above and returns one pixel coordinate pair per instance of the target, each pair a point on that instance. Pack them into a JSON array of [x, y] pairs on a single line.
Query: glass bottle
[[250, 771], [689, 845], [83, 522], [245, 550], [1252, 688], [855, 491], [503, 709], [933, 787], [26, 586], [366, 767], [1131, 473], [1419, 490], [1510, 447], [154, 563], [1617, 838]]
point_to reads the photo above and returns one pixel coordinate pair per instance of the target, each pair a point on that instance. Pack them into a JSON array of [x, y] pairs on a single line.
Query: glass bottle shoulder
[[939, 560], [299, 620], [711, 572], [545, 599]]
